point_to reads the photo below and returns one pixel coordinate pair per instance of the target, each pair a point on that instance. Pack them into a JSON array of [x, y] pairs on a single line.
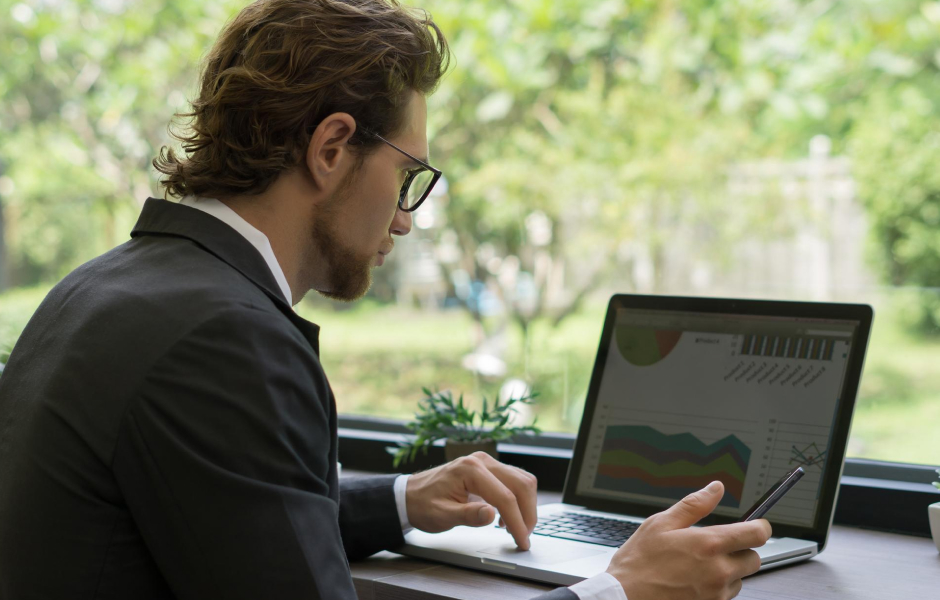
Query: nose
[[401, 224]]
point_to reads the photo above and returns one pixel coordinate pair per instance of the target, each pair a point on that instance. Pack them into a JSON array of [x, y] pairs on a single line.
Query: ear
[[328, 152]]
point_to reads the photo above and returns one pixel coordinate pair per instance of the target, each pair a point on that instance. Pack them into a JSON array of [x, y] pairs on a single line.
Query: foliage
[[439, 417], [609, 125], [559, 147], [614, 123], [897, 154], [86, 91]]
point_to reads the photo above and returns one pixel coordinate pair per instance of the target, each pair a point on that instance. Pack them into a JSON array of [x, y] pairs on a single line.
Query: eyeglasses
[[418, 183]]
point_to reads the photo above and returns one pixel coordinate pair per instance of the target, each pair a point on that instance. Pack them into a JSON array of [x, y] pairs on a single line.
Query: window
[[769, 150], [784, 154]]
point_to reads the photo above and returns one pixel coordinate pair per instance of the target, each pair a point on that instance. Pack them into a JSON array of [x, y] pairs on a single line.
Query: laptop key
[[565, 535]]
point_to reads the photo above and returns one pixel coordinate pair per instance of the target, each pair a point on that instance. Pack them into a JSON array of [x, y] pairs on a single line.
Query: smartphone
[[776, 492]]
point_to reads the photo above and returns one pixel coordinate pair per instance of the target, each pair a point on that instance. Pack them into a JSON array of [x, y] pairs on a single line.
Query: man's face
[[354, 230]]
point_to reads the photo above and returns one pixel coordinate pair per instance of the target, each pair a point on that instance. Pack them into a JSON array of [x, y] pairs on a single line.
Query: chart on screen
[[677, 409], [645, 459]]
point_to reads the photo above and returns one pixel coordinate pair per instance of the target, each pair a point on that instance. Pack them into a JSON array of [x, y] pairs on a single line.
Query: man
[[166, 429]]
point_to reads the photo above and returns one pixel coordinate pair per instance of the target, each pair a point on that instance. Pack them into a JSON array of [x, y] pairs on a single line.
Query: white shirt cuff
[[400, 486], [600, 587]]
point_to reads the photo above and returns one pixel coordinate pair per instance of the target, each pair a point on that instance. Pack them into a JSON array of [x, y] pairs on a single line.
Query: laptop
[[686, 391]]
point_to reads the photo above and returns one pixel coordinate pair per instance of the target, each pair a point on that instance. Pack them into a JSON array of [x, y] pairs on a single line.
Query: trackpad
[[543, 551]]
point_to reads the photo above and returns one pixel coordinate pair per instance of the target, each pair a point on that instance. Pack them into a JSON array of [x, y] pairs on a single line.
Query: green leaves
[[895, 153], [86, 94], [439, 417], [591, 113]]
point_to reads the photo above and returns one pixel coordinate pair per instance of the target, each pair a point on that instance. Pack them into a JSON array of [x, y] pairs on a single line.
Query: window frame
[[873, 494]]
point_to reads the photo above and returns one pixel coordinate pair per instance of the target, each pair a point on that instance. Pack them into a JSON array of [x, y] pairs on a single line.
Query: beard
[[349, 270]]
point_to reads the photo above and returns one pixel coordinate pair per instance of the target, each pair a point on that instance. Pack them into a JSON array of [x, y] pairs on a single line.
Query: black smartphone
[[776, 492]]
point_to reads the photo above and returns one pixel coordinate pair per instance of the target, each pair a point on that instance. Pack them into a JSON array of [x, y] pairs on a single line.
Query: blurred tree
[[890, 125], [612, 124], [86, 91], [615, 123], [576, 137], [898, 167]]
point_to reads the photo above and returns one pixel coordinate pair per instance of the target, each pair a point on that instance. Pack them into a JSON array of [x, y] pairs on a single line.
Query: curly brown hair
[[281, 67]]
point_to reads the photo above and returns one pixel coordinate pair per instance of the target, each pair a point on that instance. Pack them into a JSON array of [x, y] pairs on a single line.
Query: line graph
[[808, 456], [795, 444]]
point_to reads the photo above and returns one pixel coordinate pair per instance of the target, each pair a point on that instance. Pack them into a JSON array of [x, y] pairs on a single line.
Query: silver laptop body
[[685, 391]]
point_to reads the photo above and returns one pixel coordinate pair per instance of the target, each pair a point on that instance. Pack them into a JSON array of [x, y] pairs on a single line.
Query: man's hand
[[439, 499], [666, 560]]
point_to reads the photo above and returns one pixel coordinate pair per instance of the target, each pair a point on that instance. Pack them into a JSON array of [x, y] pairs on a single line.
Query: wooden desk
[[857, 565]]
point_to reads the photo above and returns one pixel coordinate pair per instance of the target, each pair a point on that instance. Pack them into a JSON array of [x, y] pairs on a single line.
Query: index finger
[[521, 483], [741, 536], [486, 485]]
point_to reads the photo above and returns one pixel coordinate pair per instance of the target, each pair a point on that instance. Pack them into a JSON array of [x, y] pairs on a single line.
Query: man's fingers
[[734, 588], [741, 536], [478, 514], [523, 484], [744, 563], [482, 482], [691, 509]]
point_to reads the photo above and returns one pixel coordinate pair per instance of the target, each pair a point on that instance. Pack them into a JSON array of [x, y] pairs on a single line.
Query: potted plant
[[439, 417], [933, 514]]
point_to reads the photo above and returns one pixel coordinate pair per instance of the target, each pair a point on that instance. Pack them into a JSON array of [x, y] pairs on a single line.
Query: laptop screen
[[687, 398]]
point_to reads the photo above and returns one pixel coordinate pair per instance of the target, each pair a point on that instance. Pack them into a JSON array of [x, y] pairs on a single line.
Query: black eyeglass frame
[[407, 183]]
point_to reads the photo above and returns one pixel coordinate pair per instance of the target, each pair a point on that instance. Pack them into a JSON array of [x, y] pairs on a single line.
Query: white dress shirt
[[599, 587]]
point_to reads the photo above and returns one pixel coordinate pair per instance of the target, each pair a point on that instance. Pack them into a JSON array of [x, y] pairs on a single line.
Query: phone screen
[[775, 493]]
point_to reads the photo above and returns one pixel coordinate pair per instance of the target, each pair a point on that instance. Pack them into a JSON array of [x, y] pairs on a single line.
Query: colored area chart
[[641, 460], [642, 346]]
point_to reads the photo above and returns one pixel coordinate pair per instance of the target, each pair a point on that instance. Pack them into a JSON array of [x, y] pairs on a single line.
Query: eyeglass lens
[[417, 189]]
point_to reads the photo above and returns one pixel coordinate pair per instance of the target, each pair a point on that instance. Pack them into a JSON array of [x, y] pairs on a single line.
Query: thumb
[[477, 514], [694, 507]]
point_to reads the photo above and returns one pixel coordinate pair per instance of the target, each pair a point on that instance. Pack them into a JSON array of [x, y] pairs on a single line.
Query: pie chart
[[644, 346]]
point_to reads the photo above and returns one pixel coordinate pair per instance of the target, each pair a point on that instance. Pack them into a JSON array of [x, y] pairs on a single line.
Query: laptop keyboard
[[586, 528]]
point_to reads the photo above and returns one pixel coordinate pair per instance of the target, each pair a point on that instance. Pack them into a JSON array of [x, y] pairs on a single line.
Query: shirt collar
[[255, 237]]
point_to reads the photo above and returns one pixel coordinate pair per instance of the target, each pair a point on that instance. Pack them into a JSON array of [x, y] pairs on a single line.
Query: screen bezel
[[862, 313]]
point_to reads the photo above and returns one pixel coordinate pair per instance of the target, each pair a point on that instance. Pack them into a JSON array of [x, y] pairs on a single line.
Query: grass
[[898, 410], [379, 357]]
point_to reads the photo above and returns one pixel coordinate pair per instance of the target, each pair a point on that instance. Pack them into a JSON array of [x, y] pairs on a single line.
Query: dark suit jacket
[[167, 431]]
